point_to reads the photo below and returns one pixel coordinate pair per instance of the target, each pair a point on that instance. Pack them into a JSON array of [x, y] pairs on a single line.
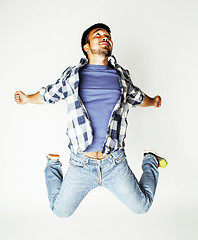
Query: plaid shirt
[[79, 131]]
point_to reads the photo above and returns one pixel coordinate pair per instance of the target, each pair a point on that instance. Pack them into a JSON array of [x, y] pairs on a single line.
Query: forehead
[[97, 30]]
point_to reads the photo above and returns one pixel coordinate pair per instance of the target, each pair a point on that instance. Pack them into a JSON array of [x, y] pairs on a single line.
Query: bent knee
[[142, 210], [62, 214]]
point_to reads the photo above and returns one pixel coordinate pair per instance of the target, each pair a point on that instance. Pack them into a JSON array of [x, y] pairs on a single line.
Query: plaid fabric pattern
[[79, 131]]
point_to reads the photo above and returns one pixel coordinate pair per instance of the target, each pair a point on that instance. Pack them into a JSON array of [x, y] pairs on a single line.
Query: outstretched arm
[[148, 101], [22, 98]]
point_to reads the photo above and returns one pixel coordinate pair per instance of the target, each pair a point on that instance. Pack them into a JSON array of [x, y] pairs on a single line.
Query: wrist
[[34, 98], [153, 102], [28, 98]]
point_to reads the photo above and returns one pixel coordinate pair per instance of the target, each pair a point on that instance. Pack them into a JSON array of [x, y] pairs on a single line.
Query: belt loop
[[111, 158], [86, 159]]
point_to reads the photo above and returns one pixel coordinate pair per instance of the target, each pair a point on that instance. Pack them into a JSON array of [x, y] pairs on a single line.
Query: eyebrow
[[98, 29]]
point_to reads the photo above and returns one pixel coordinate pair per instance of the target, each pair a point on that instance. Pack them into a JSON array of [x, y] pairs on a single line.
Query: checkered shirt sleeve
[[58, 91], [135, 96]]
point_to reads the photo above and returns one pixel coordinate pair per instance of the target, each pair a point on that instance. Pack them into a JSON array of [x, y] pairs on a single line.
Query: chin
[[107, 53]]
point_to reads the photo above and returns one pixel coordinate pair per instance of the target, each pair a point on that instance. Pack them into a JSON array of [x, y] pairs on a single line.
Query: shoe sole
[[161, 163], [52, 157]]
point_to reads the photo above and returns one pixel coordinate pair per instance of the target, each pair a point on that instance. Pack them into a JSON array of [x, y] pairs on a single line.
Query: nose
[[105, 39]]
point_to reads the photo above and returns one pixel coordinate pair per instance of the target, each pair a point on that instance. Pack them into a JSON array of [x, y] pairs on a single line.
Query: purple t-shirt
[[99, 89]]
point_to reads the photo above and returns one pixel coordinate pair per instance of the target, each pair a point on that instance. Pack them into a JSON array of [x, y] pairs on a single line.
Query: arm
[[148, 101], [22, 98]]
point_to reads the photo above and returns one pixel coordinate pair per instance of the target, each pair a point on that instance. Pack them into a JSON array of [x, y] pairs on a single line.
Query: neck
[[98, 60]]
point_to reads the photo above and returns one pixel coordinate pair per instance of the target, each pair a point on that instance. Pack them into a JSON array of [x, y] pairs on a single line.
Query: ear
[[86, 47]]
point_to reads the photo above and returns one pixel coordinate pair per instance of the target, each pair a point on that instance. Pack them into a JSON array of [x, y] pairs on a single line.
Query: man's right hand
[[20, 97]]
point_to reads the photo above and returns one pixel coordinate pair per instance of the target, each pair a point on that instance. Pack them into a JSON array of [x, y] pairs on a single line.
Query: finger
[[18, 100], [17, 97], [17, 93]]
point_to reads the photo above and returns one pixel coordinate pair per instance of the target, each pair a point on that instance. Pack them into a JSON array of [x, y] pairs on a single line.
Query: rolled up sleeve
[[52, 93], [135, 96], [55, 92]]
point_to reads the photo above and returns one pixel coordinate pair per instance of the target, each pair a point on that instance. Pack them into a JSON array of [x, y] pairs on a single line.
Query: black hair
[[85, 35]]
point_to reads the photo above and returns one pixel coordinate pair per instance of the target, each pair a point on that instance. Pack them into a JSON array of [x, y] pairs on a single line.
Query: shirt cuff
[[42, 92], [143, 97], [140, 100]]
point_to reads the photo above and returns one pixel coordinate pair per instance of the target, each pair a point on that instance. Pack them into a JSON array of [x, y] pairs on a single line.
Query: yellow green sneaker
[[161, 161]]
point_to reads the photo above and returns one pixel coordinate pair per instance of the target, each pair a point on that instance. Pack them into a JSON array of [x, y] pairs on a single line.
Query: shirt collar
[[112, 61]]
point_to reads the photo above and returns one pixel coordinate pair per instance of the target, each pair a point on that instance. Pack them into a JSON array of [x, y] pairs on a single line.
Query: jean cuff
[[150, 159]]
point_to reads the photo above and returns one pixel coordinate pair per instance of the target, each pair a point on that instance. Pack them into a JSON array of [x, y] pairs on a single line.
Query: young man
[[98, 92]]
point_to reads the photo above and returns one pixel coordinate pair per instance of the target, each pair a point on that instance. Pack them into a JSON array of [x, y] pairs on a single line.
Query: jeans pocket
[[76, 163]]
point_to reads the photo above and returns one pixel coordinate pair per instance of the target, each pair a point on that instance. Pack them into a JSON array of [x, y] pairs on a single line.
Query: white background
[[158, 42]]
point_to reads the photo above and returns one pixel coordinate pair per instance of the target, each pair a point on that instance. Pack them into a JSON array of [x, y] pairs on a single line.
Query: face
[[100, 43]]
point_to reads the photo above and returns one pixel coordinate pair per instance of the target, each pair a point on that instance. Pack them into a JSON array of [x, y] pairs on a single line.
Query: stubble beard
[[102, 52]]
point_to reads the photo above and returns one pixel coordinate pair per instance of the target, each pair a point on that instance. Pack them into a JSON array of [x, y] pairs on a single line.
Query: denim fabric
[[112, 172]]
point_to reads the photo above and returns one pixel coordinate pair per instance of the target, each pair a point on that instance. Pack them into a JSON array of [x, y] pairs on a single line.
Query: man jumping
[[98, 93]]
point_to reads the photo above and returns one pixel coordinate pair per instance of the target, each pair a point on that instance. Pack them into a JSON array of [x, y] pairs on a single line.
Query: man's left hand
[[157, 101]]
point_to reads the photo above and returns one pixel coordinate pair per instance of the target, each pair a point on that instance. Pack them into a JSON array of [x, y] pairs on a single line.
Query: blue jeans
[[112, 172]]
